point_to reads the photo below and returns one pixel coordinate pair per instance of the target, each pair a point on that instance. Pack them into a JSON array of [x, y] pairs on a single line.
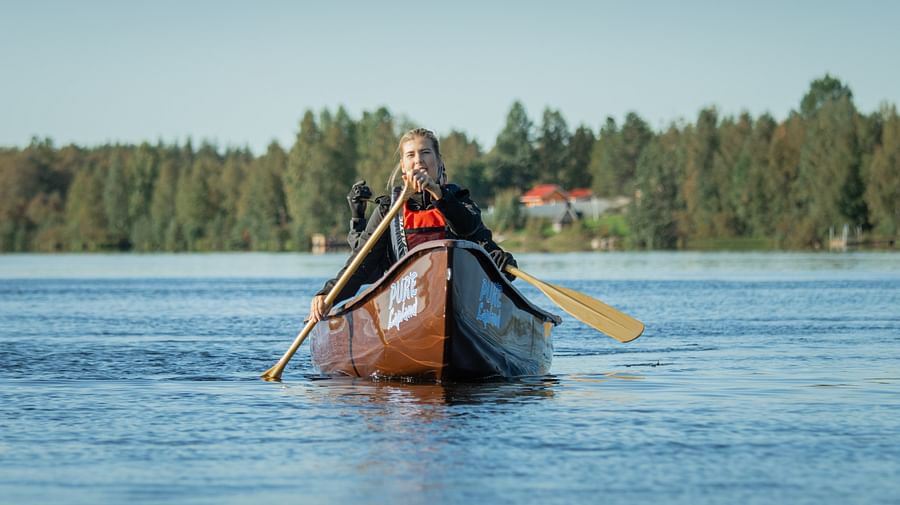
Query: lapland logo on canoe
[[404, 304], [489, 303]]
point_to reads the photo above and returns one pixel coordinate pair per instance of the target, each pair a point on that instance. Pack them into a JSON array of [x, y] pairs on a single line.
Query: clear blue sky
[[243, 73]]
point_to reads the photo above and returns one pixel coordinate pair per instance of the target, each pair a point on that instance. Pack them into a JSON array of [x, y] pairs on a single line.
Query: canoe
[[442, 313]]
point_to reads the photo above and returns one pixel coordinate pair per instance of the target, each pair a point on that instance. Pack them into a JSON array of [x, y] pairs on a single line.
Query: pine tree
[[883, 184], [754, 199], [300, 184], [821, 91], [85, 216], [376, 147], [784, 207], [730, 173], [164, 226], [116, 189], [654, 210], [463, 161], [606, 160], [234, 178], [511, 161], [575, 173], [143, 168], [615, 155], [699, 189], [636, 134], [830, 189], [551, 147], [321, 169], [261, 211]]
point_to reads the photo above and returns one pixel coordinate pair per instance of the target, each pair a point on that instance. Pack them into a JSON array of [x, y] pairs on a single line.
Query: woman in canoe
[[437, 210]]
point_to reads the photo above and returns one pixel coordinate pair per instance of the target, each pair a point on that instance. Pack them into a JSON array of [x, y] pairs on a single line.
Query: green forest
[[716, 178]]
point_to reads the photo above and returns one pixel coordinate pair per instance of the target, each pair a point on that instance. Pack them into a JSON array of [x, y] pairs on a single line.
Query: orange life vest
[[423, 225]]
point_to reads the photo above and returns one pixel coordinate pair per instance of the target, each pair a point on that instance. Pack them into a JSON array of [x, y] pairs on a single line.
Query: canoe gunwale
[[475, 249]]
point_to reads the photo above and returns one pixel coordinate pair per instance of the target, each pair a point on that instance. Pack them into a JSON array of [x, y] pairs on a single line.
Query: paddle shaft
[[590, 311], [274, 373]]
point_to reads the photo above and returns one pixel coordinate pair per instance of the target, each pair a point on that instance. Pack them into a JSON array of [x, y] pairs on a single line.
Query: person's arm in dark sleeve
[[371, 268], [464, 218]]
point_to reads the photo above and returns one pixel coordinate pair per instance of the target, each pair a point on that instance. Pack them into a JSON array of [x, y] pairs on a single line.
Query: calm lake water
[[761, 378]]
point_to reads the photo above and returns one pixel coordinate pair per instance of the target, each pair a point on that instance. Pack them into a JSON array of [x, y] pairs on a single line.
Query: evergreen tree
[[784, 206], [85, 217], [463, 161], [754, 199], [116, 188], [551, 147], [636, 133], [300, 182], [232, 185], [321, 169], [829, 188], [654, 210], [337, 173], [164, 226], [575, 173], [699, 190], [262, 212], [511, 161], [143, 168], [607, 160], [376, 146], [883, 184], [730, 172], [615, 155], [197, 200], [821, 91]]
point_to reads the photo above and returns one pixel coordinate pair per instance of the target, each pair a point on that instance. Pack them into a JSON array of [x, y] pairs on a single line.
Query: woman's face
[[419, 153]]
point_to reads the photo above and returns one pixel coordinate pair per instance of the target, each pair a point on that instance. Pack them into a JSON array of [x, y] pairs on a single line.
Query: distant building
[[550, 201], [544, 194], [568, 216], [580, 195]]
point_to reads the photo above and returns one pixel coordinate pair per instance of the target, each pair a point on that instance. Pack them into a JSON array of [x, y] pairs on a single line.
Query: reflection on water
[[394, 394]]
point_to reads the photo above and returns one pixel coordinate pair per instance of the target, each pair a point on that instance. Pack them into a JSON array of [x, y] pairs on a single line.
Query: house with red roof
[[544, 194], [580, 194]]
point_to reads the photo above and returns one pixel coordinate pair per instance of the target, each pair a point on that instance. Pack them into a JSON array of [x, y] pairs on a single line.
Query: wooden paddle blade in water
[[590, 311]]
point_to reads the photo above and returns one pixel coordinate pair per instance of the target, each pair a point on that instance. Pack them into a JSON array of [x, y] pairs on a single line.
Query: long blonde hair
[[410, 135]]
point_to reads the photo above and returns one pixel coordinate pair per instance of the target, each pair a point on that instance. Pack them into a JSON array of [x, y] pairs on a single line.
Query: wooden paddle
[[594, 313], [274, 373]]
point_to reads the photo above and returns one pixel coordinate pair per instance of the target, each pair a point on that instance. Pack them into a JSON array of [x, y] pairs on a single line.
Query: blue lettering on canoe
[[489, 303]]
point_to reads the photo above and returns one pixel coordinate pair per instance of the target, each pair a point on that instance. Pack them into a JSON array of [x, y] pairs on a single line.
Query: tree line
[[825, 165]]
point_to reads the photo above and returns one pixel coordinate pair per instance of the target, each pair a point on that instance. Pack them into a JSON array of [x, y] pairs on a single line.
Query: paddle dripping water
[[761, 378]]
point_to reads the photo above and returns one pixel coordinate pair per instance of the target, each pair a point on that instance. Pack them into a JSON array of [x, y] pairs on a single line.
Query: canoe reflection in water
[[442, 313], [392, 394]]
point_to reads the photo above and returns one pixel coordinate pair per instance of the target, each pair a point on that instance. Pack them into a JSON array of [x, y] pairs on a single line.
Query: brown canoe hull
[[444, 312]]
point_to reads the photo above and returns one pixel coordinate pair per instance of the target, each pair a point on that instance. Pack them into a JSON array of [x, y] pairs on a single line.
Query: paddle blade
[[273, 374], [590, 311]]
